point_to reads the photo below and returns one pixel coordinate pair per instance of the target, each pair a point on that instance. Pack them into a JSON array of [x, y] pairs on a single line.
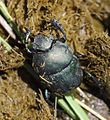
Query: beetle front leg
[[58, 26], [27, 42]]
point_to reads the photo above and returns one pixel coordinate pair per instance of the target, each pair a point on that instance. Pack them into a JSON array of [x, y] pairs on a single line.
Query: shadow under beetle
[[56, 62]]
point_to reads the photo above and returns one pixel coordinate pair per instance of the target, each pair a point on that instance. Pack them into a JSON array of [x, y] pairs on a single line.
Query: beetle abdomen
[[68, 78]]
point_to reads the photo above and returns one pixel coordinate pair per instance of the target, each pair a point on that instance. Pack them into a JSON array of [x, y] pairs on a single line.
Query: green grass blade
[[3, 9], [66, 108], [76, 107], [10, 21]]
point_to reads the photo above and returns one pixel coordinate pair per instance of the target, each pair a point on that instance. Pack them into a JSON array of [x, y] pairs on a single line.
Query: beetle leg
[[27, 41], [28, 32], [58, 26], [47, 94], [95, 80]]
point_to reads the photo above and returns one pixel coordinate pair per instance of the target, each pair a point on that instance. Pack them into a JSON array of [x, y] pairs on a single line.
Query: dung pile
[[83, 24]]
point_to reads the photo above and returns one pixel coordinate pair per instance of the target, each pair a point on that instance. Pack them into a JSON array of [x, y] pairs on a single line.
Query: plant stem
[[5, 44], [10, 21]]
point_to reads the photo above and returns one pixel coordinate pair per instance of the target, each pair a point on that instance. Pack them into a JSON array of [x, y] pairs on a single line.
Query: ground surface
[[86, 24]]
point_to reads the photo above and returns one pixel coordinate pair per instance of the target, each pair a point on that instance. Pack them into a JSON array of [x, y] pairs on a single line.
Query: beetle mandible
[[56, 62]]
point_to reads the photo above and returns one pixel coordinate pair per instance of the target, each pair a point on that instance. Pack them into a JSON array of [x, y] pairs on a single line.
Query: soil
[[86, 24]]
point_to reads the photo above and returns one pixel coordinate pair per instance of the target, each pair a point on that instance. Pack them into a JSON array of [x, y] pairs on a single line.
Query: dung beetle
[[55, 62]]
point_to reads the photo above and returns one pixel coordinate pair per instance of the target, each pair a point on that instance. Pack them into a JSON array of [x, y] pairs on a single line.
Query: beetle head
[[42, 43]]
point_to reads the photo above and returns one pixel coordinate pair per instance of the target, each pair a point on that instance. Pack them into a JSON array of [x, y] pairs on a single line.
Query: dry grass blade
[[82, 94], [90, 110], [6, 26]]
